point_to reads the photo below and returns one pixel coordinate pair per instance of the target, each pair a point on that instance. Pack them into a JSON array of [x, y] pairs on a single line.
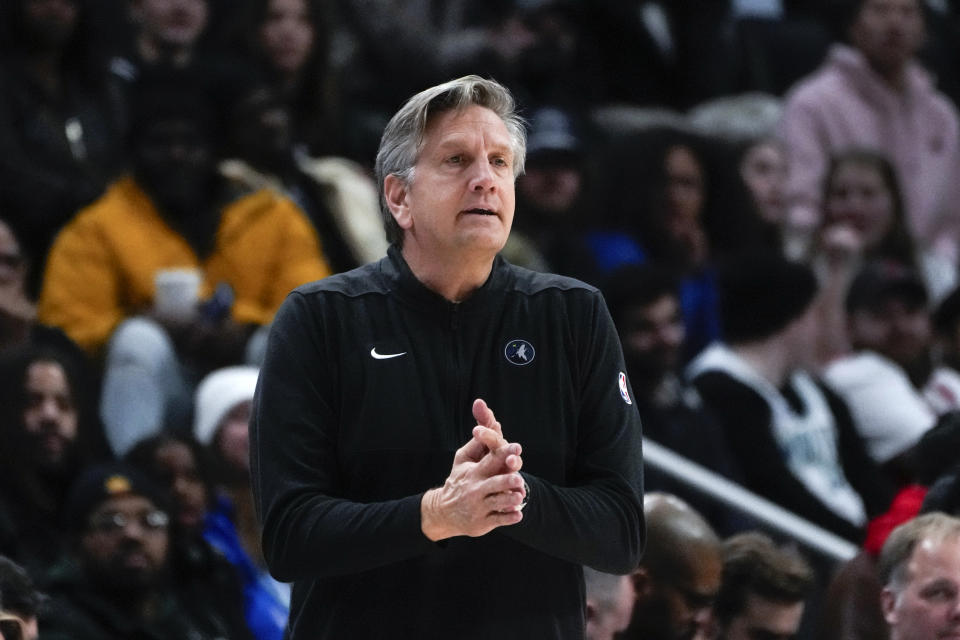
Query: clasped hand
[[484, 489]]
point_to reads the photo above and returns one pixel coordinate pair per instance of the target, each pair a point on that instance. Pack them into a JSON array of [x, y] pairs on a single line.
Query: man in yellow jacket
[[102, 271]]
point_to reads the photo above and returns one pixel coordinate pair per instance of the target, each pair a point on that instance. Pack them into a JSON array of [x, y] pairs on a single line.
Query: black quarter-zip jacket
[[364, 396]]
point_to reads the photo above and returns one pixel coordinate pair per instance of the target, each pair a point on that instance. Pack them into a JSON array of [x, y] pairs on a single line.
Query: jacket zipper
[[456, 366]]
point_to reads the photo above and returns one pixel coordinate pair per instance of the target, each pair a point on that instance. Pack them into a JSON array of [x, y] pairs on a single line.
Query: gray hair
[[601, 587], [402, 139], [899, 547]]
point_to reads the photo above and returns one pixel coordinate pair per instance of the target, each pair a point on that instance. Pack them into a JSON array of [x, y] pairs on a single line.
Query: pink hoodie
[[844, 104]]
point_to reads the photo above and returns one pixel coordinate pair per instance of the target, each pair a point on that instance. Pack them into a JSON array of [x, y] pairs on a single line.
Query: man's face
[[551, 186], [172, 23], [674, 608], [460, 202], [895, 328], [125, 543], [690, 602], [764, 619], [174, 160], [50, 417], [927, 605], [652, 336], [888, 32]]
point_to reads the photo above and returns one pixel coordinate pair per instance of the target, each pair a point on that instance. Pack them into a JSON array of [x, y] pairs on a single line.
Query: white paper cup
[[176, 293]]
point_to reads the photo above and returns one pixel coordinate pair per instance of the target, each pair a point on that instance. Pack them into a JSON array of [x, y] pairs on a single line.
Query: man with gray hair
[[376, 379], [610, 601], [920, 569]]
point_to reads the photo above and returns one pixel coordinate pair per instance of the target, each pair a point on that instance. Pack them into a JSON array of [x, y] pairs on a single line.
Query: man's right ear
[[592, 611], [888, 605], [642, 582], [395, 191]]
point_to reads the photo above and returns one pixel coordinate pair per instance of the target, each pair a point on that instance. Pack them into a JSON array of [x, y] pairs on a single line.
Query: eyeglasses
[[12, 627], [115, 522]]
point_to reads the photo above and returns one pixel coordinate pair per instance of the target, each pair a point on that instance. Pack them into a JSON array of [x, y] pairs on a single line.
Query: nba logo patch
[[624, 393]]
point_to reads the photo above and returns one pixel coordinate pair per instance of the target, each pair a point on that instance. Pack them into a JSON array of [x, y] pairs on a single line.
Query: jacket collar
[[411, 290]]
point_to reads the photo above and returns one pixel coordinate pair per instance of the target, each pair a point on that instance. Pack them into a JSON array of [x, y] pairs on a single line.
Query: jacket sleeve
[[80, 293], [802, 132], [307, 531], [597, 520]]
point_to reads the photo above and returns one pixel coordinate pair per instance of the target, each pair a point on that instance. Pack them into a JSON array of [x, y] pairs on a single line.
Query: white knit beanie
[[218, 393]]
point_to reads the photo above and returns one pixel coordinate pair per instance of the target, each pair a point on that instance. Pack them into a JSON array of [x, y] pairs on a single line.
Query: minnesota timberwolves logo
[[519, 352]]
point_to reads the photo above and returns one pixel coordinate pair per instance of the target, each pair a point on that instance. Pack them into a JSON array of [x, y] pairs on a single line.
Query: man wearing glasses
[[120, 583], [919, 567]]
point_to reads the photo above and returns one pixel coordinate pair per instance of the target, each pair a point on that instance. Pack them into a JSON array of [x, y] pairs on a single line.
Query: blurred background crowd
[[766, 192]]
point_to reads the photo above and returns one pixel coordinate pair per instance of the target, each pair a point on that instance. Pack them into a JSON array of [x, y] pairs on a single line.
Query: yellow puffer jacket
[[101, 267]]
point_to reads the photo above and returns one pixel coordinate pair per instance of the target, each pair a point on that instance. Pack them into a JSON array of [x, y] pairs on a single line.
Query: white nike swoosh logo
[[384, 356]]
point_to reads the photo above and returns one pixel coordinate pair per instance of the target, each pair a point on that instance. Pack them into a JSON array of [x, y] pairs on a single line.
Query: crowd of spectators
[[764, 190]]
